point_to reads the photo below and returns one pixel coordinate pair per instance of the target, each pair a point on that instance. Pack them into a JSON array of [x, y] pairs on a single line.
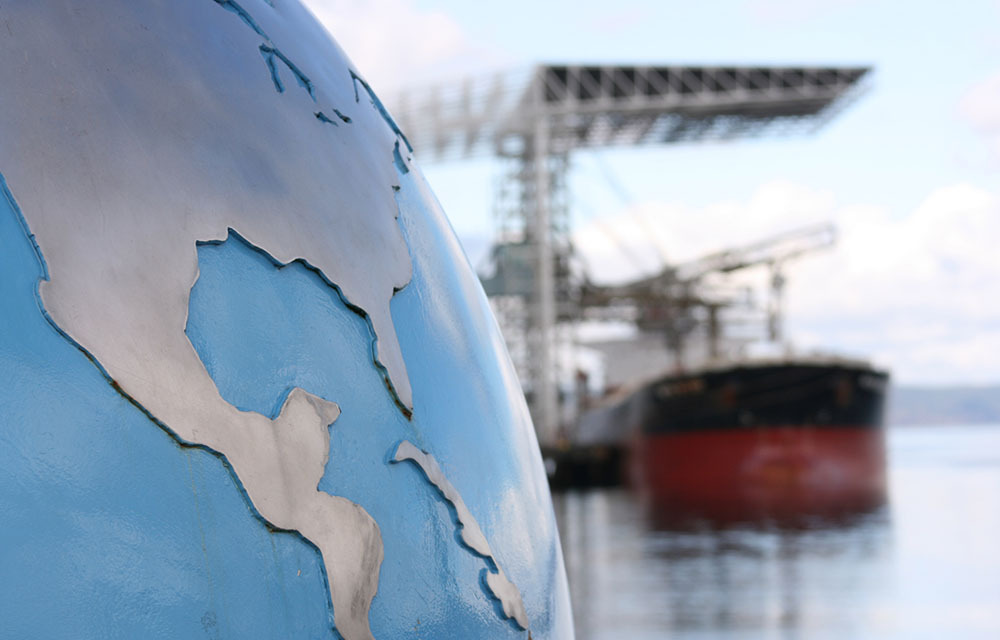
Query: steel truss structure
[[536, 119]]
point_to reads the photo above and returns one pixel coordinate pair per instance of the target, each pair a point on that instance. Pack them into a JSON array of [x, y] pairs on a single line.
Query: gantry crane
[[534, 120]]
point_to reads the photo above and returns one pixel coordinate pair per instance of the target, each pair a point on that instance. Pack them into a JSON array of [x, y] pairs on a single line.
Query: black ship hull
[[748, 396]]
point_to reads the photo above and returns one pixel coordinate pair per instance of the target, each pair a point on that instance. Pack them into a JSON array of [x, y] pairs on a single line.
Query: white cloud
[[980, 107], [619, 247], [396, 44], [918, 292]]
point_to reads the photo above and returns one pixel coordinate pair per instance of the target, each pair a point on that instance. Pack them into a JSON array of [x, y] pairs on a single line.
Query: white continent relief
[[130, 150], [280, 463], [472, 535]]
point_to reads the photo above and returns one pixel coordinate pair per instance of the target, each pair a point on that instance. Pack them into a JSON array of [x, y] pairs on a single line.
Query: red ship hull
[[780, 472], [779, 440]]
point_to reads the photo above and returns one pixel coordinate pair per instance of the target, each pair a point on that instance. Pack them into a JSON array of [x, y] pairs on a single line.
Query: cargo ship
[[781, 438]]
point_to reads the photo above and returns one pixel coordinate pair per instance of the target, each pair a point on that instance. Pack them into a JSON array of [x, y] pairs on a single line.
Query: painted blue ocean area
[[103, 506], [101, 500]]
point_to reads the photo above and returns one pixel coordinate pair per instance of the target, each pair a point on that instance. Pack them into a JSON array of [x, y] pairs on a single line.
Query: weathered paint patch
[[271, 53]]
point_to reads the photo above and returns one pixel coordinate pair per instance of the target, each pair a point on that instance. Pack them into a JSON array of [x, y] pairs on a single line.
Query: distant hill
[[943, 405]]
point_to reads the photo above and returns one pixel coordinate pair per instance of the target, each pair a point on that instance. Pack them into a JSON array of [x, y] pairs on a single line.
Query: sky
[[909, 173]]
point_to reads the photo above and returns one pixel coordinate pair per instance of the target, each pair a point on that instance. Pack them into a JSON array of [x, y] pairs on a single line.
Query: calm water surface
[[925, 566]]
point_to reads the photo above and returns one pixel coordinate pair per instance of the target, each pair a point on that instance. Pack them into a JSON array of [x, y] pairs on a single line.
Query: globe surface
[[251, 387]]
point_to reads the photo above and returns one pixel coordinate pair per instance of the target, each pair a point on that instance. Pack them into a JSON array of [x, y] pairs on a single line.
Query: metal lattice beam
[[615, 105]]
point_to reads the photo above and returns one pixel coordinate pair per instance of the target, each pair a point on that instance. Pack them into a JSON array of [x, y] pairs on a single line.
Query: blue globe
[[251, 386]]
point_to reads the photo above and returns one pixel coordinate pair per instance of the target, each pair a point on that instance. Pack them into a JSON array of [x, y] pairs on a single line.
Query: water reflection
[[930, 570], [637, 576]]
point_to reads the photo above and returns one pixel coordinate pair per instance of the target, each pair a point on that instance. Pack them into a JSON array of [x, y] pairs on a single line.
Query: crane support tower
[[534, 120]]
